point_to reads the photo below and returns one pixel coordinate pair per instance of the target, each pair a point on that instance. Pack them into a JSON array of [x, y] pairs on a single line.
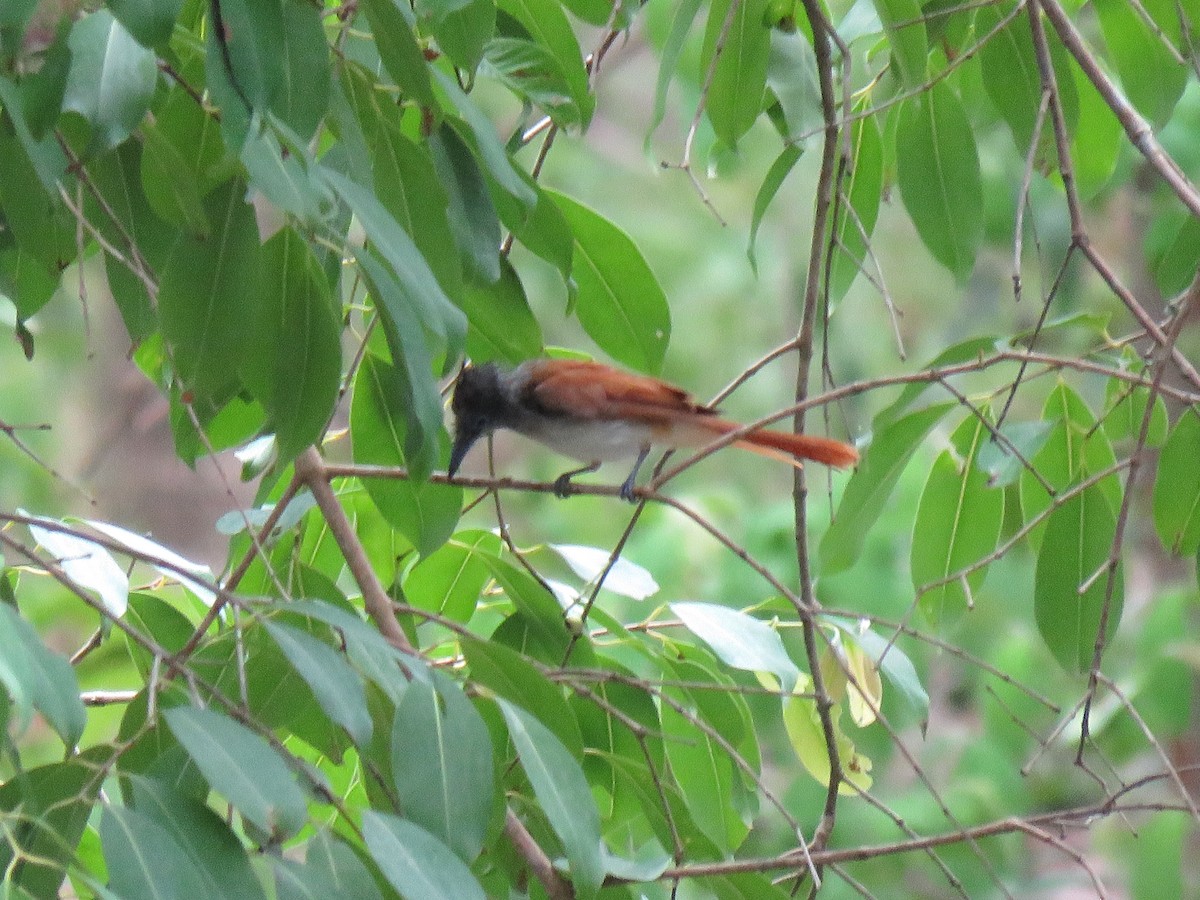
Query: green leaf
[[43, 157], [283, 170], [340, 867], [35, 215], [503, 327], [793, 80], [412, 273], [937, 168], [1159, 858], [619, 301], [471, 212], [1014, 84], [1177, 487], [1098, 138], [111, 81], [905, 26], [450, 580], [295, 372], [442, 765], [772, 182], [958, 524], [151, 22], [242, 766], [564, 796], [143, 860], [409, 388], [463, 30], [209, 295], [1077, 543], [512, 677], [1176, 266], [416, 863], [532, 599], [1002, 465], [302, 96], [399, 51], [42, 92], [699, 763], [334, 684], [542, 229], [739, 73], [531, 72], [804, 729], [174, 198], [863, 191], [1125, 408], [116, 177], [36, 678], [1152, 78], [389, 668], [45, 811], [408, 185], [280, 61], [491, 152], [549, 27], [1075, 449], [211, 848], [739, 640], [871, 484], [424, 513], [683, 18]]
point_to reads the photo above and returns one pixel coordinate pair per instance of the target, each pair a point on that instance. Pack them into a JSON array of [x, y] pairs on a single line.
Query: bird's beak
[[463, 442]]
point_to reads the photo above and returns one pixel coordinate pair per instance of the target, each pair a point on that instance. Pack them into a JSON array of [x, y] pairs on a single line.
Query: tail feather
[[824, 450], [789, 447]]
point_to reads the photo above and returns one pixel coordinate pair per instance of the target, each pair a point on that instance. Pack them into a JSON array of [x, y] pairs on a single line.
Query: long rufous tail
[[781, 445]]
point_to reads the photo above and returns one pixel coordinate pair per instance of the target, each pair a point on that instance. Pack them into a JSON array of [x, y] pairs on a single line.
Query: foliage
[[309, 212]]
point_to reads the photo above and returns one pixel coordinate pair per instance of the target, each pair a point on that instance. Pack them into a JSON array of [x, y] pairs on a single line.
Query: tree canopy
[[964, 669]]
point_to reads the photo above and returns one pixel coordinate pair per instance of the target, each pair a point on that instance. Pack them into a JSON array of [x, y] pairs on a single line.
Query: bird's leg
[[562, 484], [631, 481]]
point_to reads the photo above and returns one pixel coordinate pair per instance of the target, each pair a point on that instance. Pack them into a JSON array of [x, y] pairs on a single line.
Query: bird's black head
[[477, 400]]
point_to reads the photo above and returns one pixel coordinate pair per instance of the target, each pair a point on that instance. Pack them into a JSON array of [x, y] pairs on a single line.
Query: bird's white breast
[[597, 441]]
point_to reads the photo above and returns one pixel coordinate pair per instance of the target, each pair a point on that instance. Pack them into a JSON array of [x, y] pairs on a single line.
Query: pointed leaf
[[442, 765], [36, 678], [111, 81], [88, 565], [242, 766], [872, 483], [937, 168], [296, 371], [425, 513], [958, 524], [741, 641], [739, 71], [209, 295], [619, 301], [334, 684], [1177, 487], [1076, 544], [416, 863], [564, 796]]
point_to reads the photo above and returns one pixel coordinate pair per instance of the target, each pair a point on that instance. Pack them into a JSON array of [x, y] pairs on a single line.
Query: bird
[[595, 413]]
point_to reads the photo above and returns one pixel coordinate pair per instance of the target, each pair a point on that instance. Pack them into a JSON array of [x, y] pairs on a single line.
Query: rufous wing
[[596, 391]]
